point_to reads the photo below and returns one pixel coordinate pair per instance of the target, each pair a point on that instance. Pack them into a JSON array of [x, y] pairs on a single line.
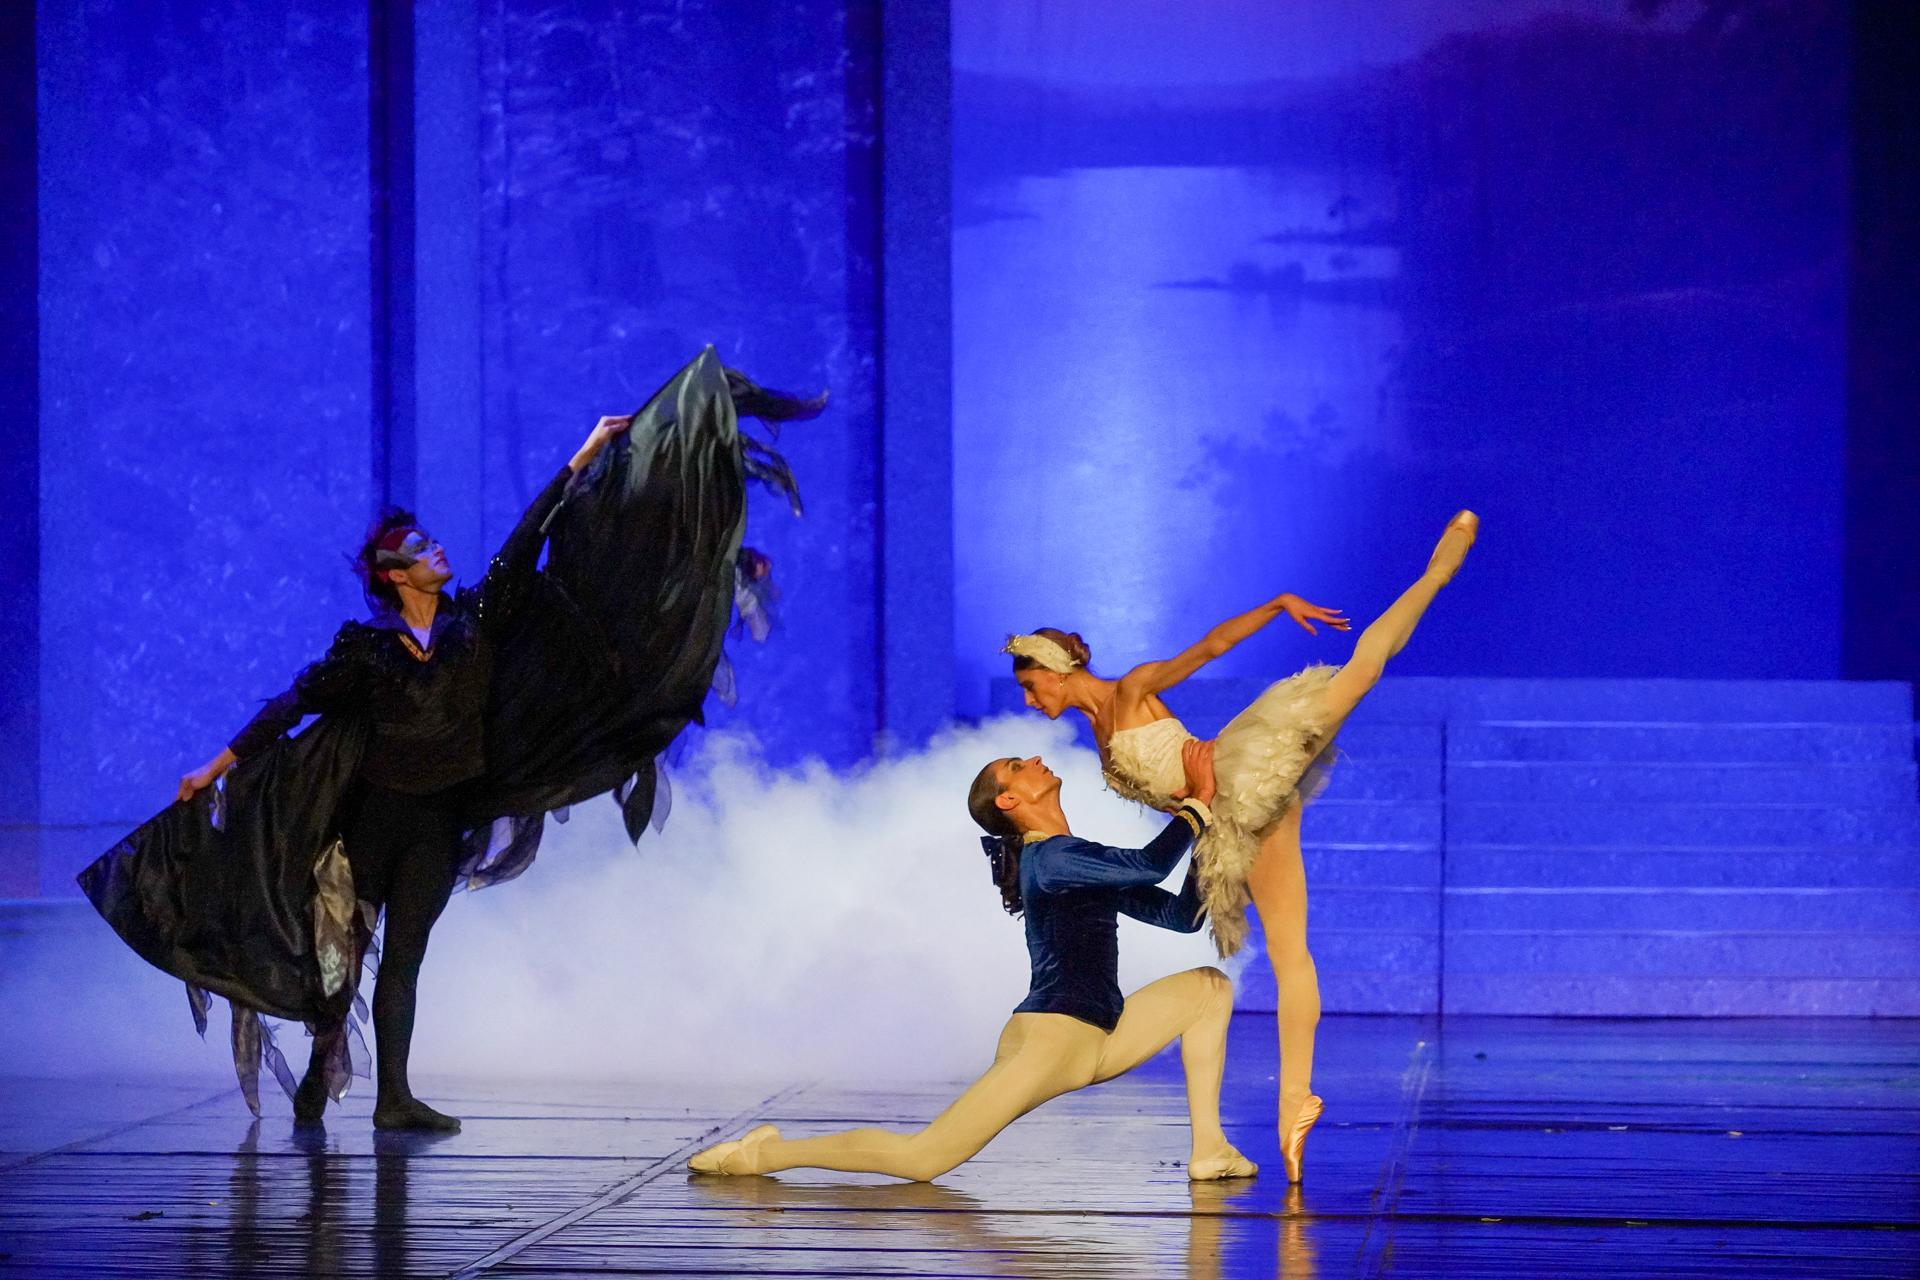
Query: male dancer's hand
[[604, 430], [200, 779], [1196, 758]]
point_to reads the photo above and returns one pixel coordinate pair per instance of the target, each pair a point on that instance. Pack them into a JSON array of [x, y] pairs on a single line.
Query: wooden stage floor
[[1484, 1147]]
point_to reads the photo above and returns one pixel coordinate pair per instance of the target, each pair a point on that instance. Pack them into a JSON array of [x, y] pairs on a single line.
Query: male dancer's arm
[[509, 575], [336, 681], [1082, 864], [1150, 904]]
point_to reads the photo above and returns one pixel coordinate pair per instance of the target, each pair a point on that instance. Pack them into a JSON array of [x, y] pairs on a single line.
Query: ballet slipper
[[731, 1158], [310, 1099], [411, 1113], [1224, 1164], [1455, 541], [1293, 1147]]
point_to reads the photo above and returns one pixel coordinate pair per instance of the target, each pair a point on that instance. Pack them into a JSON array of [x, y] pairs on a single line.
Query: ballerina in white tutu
[[1270, 759]]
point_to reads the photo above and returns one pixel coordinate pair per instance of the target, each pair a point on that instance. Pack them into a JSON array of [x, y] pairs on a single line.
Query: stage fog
[[789, 921]]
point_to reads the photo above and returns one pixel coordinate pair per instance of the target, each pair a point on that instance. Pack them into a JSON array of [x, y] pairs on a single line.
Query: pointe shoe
[[1455, 542], [1293, 1147], [717, 1158], [1218, 1168]]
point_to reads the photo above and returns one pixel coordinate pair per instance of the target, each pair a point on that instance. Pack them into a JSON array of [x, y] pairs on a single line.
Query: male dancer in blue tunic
[[1073, 1029]]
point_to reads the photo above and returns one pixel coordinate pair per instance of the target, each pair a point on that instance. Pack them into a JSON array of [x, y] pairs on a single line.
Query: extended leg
[[1278, 883], [1389, 633], [1041, 1056], [1195, 1007]]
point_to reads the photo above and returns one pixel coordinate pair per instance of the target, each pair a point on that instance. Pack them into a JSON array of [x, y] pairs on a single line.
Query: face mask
[[413, 548]]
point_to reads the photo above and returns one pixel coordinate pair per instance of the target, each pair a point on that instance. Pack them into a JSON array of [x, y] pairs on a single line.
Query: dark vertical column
[[19, 457], [449, 417], [916, 371], [1879, 639], [390, 142]]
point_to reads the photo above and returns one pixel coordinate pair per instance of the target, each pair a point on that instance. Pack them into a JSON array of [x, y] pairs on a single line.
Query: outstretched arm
[[1152, 677], [1082, 864], [510, 573], [331, 684]]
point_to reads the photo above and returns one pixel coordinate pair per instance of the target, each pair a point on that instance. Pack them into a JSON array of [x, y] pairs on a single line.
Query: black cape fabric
[[610, 659]]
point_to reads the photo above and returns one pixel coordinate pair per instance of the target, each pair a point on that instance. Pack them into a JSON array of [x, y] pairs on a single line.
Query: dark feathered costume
[[592, 667]]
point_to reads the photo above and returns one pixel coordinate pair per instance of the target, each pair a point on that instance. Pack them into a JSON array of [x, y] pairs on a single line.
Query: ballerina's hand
[[1306, 614], [610, 425]]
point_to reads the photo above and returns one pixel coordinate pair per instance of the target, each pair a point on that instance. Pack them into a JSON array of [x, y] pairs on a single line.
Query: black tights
[[404, 851]]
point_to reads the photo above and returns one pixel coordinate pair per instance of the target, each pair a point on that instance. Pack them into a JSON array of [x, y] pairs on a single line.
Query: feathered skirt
[[1272, 756]]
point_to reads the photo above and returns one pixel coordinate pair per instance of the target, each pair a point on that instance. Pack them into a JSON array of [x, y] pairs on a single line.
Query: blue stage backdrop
[[1244, 297], [298, 259], [1250, 297], [204, 383]]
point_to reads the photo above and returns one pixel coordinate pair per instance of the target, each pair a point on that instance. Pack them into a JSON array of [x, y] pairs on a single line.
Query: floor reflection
[[941, 1217], [1227, 1235], [1701, 1152], [391, 1152], [1233, 1230], [318, 1223]]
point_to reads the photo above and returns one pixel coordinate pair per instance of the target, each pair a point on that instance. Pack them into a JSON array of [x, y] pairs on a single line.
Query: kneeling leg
[[1029, 1070], [1194, 1007]]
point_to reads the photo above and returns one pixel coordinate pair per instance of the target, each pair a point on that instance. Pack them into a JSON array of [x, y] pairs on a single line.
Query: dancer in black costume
[[449, 725]]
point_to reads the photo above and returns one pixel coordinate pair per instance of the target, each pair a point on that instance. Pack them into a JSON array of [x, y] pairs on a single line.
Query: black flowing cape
[[610, 659]]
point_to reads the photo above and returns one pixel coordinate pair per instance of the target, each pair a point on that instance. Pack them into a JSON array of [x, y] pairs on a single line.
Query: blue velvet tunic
[[1072, 892]]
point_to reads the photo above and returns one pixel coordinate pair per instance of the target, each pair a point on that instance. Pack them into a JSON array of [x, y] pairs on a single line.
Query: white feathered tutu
[[1270, 757]]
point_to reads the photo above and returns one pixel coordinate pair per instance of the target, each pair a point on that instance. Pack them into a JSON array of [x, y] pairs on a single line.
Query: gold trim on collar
[[413, 646]]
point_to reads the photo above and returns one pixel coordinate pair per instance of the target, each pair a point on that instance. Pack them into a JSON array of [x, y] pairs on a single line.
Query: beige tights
[[1278, 881], [1389, 633], [1040, 1057]]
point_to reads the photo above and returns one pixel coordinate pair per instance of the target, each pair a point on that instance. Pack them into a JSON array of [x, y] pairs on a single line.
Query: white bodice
[[1143, 763]]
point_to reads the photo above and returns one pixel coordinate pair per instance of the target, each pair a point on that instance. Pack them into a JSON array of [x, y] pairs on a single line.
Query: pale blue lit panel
[[1252, 297]]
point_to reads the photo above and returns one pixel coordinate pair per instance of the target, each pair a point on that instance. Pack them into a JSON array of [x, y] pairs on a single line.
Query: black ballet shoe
[[310, 1099], [411, 1113]]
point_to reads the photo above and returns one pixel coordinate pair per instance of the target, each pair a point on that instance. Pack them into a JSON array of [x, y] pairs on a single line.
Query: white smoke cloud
[[789, 924]]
